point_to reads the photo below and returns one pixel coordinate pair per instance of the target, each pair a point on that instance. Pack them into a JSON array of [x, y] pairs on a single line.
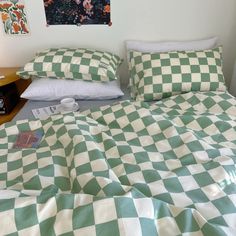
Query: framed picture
[[13, 17], [77, 12]]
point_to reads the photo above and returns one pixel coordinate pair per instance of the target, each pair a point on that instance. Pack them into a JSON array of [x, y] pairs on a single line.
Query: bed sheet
[[26, 111], [127, 169]]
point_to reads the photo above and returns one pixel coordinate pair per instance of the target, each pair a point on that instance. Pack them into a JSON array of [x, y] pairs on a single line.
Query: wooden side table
[[11, 77]]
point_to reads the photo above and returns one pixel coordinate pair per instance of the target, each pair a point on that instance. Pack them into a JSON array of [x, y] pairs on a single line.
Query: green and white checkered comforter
[[126, 169]]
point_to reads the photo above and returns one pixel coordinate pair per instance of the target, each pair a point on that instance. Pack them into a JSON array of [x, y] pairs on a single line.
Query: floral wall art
[[77, 12], [13, 16]]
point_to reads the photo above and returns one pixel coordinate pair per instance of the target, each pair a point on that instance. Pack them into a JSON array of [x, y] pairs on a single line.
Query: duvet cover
[[127, 169]]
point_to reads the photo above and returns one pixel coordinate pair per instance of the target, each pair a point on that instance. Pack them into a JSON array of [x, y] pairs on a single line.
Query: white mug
[[68, 103]]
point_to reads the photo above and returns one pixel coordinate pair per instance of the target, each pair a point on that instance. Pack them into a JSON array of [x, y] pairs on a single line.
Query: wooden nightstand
[[11, 77]]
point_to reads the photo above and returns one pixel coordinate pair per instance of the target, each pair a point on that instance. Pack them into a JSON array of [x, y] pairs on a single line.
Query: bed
[[125, 169], [134, 167]]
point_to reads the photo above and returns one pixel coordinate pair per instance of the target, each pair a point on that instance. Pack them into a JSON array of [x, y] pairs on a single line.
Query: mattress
[[26, 111]]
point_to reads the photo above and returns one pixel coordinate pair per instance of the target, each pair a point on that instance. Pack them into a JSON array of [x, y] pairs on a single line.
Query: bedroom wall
[[133, 19]]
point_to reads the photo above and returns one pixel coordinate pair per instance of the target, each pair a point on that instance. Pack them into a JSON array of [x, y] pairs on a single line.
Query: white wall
[[132, 19]]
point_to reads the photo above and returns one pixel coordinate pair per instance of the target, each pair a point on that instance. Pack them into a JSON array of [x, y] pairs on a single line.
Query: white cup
[[68, 103]]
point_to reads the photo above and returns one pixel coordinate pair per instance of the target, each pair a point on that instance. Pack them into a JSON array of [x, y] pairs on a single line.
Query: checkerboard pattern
[[160, 75], [128, 169], [85, 64]]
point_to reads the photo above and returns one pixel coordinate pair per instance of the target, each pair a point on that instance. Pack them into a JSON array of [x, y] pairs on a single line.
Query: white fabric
[[167, 46], [45, 89]]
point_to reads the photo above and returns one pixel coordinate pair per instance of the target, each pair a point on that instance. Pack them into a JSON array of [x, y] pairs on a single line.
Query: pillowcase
[[47, 89], [160, 75], [67, 63], [167, 46]]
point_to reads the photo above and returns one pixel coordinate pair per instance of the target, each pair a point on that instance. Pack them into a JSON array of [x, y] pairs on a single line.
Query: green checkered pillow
[[84, 64], [159, 75]]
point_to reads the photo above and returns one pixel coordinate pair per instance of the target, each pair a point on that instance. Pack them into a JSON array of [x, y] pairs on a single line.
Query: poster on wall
[[77, 12], [13, 17]]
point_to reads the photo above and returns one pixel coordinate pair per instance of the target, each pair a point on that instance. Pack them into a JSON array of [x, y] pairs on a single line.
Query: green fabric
[[126, 169], [69, 63], [160, 75]]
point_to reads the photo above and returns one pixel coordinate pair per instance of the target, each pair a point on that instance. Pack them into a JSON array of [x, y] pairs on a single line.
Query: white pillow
[[46, 89], [167, 46]]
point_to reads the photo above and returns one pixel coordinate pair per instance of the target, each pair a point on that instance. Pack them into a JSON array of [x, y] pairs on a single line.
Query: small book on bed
[[28, 139]]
